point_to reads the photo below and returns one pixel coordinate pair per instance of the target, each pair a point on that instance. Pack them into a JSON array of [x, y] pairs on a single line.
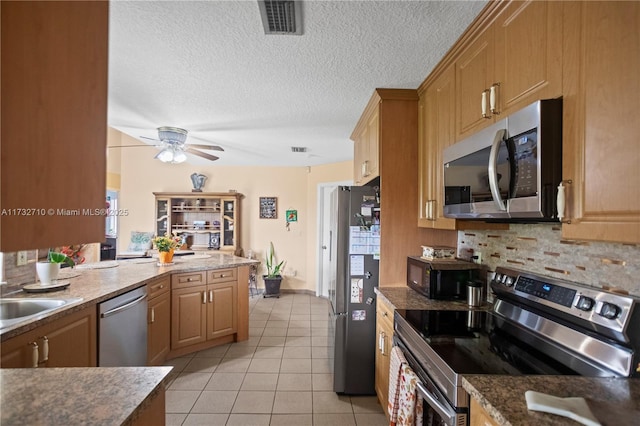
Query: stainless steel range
[[538, 325]]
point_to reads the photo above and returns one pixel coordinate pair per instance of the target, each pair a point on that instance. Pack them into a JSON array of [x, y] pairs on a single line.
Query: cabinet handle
[[153, 315], [384, 339], [204, 297], [365, 168], [189, 280], [34, 354], [380, 342], [384, 314], [561, 201], [45, 349], [431, 203], [210, 296], [493, 98], [484, 104], [161, 285]]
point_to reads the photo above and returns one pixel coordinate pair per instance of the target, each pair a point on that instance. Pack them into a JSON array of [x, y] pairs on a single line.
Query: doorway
[[326, 237]]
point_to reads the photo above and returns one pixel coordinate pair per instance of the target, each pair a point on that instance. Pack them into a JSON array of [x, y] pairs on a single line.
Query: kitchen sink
[[15, 310]]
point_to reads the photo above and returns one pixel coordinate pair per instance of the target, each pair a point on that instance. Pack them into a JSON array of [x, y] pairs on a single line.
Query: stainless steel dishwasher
[[122, 335]]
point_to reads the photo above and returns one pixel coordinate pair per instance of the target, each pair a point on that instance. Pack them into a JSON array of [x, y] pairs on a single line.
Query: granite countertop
[[96, 285], [612, 401], [407, 298], [78, 396]]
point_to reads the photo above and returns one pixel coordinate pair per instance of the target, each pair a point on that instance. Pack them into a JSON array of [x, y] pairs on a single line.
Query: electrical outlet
[[477, 257], [21, 258]]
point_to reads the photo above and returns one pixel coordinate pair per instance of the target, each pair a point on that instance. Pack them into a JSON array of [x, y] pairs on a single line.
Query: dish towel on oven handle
[[409, 402], [395, 368]]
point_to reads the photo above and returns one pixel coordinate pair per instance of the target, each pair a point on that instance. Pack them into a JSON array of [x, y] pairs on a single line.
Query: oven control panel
[[610, 310]]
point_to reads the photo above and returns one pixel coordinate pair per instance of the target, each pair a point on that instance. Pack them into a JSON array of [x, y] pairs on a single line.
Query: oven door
[[437, 411]]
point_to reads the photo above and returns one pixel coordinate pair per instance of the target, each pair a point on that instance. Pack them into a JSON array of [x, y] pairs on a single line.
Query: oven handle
[[447, 417]]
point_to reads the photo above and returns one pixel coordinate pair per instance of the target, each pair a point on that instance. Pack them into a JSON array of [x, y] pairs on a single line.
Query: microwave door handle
[[493, 169]]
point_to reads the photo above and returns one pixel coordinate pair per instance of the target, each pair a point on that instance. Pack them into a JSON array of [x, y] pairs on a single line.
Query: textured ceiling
[[208, 67]]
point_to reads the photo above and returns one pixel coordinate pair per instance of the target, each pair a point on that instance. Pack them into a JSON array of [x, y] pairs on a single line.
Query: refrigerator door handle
[[367, 275], [330, 244]]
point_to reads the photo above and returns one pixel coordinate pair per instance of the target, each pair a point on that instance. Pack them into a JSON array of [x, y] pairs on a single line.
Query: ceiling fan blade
[[132, 146], [201, 154], [202, 146]]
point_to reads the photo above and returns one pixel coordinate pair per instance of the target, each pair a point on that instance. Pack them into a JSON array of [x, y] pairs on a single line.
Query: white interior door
[[327, 232]]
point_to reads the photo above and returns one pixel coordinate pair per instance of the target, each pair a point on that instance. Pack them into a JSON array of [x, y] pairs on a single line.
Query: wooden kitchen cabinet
[[209, 220], [601, 152], [54, 112], [436, 109], [203, 312], [384, 334], [366, 152], [515, 59], [71, 341], [158, 321], [478, 416]]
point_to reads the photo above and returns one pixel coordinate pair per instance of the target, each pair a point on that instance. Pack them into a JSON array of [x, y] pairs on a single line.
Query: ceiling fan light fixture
[[179, 157], [166, 155]]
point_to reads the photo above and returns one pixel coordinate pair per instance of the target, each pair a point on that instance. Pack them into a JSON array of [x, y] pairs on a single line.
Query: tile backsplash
[[541, 249]]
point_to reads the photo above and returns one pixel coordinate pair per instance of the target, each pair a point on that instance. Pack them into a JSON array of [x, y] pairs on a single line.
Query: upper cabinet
[[601, 152], [436, 109], [515, 60], [54, 123], [366, 152]]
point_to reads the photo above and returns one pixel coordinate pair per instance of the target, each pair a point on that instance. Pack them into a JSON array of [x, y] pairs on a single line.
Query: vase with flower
[[166, 246]]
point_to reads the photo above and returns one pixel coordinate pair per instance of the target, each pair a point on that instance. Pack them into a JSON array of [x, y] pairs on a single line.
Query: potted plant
[[166, 245], [48, 270], [273, 278]]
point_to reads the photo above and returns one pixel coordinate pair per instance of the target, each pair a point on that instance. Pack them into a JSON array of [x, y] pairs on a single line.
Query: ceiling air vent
[[298, 149], [281, 17]]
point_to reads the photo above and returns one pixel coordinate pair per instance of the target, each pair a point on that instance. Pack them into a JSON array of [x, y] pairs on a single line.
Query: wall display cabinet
[[601, 152], [204, 306], [70, 341], [513, 61], [384, 334], [54, 111], [158, 321], [208, 220]]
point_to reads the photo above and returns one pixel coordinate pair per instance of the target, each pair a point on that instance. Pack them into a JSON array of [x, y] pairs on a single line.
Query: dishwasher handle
[[123, 307]]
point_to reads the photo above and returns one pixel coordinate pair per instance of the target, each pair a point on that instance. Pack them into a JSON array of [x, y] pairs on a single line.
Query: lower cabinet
[[158, 321], [384, 334], [203, 312], [478, 415], [70, 341]]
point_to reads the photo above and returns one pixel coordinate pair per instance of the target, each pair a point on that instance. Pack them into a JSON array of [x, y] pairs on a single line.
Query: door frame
[[320, 204]]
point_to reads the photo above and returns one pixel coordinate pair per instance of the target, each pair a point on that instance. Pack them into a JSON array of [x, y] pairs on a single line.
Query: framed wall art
[[268, 207]]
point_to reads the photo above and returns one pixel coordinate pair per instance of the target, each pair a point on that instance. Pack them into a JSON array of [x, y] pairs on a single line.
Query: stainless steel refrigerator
[[356, 240]]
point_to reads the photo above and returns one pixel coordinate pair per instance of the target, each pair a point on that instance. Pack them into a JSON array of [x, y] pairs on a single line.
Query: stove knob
[[609, 310], [509, 281], [498, 278], [585, 303]]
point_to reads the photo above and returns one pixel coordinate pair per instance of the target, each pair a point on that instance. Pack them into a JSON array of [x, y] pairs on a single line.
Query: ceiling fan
[[173, 145]]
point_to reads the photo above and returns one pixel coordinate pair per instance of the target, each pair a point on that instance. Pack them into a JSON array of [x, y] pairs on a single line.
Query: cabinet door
[[188, 316], [384, 335], [425, 177], [372, 169], [600, 130], [54, 112], [70, 342], [439, 120], [474, 74], [222, 318], [478, 415], [163, 216], [159, 328], [360, 153], [229, 217], [528, 54]]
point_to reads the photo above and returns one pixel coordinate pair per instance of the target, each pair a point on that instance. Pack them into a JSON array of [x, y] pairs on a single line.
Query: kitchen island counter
[[82, 396], [614, 401], [95, 283]]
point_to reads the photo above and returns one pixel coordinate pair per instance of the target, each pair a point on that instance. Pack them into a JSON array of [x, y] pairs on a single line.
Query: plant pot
[[47, 272], [272, 286], [165, 256]]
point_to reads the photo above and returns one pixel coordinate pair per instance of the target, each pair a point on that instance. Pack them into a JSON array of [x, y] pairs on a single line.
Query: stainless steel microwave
[[508, 171]]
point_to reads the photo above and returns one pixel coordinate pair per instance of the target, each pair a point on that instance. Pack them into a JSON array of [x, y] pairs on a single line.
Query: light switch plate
[[21, 258]]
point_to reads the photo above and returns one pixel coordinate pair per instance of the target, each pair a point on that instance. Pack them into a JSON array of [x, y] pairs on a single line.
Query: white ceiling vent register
[[281, 17], [298, 149]]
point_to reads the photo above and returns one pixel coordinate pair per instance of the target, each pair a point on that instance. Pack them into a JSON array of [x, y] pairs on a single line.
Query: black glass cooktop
[[478, 342]]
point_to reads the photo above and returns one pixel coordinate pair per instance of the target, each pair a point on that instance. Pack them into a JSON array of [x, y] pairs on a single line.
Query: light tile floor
[[282, 375]]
